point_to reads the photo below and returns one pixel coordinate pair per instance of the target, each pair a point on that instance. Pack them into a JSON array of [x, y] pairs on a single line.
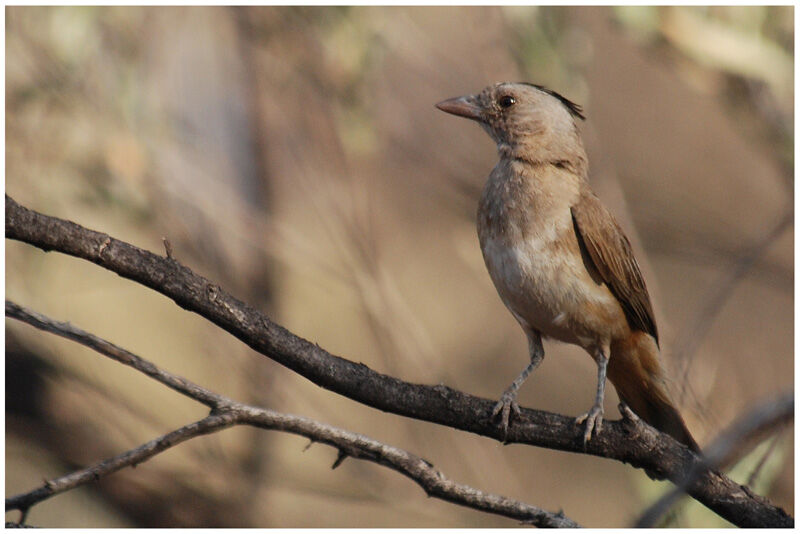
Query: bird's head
[[526, 121]]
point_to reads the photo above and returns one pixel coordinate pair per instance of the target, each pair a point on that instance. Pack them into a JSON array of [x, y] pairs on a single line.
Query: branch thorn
[[339, 459], [167, 248]]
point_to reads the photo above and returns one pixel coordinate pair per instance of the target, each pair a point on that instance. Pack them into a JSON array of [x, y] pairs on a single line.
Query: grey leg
[[508, 401], [594, 417]]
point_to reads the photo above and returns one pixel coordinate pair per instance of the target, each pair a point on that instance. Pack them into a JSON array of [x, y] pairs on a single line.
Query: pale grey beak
[[463, 106]]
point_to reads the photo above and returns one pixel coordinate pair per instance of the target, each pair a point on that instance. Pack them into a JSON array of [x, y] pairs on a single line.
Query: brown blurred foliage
[[294, 156]]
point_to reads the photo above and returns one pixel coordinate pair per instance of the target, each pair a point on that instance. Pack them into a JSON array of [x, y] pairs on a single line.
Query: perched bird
[[558, 258]]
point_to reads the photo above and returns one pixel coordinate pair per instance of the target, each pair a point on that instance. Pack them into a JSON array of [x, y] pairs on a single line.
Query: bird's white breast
[[542, 279]]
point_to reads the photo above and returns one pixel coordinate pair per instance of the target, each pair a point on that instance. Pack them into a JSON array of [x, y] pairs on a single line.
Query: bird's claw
[[503, 408], [594, 422], [627, 413]]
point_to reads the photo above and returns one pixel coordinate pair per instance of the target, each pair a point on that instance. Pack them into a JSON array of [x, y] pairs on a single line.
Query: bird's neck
[[537, 154], [521, 195]]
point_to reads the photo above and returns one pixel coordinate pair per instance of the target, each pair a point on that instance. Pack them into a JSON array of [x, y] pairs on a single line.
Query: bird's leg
[[508, 401], [594, 417]]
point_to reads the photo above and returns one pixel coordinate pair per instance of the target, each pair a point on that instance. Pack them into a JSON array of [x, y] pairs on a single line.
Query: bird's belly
[[546, 286]]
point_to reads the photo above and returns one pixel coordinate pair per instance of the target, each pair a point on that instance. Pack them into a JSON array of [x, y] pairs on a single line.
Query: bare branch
[[657, 453], [417, 469], [761, 420], [227, 413], [133, 457]]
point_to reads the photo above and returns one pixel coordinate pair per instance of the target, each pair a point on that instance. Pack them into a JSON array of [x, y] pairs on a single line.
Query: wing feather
[[612, 256]]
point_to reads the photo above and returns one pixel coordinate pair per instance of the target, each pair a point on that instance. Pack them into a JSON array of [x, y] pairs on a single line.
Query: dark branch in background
[[226, 413], [756, 424], [657, 453], [751, 480], [693, 334]]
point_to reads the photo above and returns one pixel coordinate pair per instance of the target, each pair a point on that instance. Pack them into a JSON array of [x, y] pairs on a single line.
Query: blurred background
[[294, 156]]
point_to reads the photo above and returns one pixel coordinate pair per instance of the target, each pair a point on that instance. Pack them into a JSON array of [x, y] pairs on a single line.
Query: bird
[[559, 260]]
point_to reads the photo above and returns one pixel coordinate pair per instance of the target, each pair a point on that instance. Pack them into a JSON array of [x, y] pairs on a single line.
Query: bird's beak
[[463, 106]]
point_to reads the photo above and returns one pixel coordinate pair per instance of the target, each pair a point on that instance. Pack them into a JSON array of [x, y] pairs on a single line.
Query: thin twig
[[227, 413], [759, 421], [651, 450], [133, 457]]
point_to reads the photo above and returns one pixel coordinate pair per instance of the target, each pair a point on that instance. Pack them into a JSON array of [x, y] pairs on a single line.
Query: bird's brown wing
[[610, 252]]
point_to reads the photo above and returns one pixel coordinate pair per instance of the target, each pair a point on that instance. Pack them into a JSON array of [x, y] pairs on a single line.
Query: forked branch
[[227, 412]]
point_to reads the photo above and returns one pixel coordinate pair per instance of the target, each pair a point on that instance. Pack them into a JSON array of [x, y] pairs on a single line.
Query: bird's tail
[[635, 371]]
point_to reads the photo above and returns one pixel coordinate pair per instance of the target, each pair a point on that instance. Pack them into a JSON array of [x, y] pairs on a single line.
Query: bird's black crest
[[573, 108]]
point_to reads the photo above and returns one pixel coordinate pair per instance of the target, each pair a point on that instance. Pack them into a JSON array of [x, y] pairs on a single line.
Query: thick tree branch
[[651, 450], [227, 412], [758, 423]]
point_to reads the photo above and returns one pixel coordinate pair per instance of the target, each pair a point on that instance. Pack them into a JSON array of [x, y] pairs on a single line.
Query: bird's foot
[[628, 414], [594, 422], [631, 421], [503, 408]]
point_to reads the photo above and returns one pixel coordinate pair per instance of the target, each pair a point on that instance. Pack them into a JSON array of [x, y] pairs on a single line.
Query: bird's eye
[[507, 101]]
